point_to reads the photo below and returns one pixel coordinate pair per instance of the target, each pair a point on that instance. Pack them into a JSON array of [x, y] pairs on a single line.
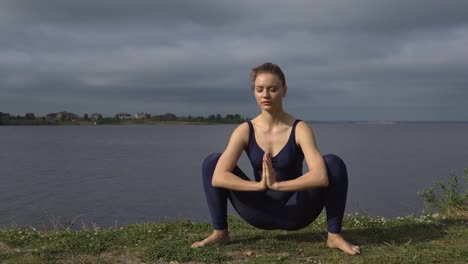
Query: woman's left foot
[[337, 241], [217, 237]]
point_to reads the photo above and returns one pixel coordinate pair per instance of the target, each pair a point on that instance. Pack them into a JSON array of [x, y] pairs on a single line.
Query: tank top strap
[[293, 133], [295, 124], [251, 131]]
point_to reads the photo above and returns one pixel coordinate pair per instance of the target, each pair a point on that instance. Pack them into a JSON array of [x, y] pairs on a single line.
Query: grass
[[411, 239], [448, 198], [429, 238]]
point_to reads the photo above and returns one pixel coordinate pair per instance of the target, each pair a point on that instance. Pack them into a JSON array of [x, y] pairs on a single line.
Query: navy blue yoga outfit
[[270, 209]]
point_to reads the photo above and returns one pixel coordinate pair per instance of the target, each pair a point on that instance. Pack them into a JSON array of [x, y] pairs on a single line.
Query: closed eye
[[269, 88]]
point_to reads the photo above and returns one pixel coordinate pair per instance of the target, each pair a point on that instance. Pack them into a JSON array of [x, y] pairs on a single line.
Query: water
[[116, 175]]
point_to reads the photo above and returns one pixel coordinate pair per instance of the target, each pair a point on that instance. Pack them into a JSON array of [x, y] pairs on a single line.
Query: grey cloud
[[360, 15], [162, 13], [352, 56]]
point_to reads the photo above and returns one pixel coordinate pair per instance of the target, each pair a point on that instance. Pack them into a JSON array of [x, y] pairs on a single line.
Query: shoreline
[[85, 123]]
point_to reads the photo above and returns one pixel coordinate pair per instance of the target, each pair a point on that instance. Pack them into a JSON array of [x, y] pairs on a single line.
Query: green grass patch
[[448, 198], [411, 239]]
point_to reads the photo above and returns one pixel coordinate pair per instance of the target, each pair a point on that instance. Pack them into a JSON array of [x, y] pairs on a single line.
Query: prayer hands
[[269, 173]]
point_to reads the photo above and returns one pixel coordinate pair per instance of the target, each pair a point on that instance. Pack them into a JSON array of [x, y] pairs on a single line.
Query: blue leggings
[[261, 211]]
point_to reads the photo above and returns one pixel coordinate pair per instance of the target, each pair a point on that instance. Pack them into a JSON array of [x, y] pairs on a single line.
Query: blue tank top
[[287, 163]]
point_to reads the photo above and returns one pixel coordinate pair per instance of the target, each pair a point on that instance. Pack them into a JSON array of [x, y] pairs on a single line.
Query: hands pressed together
[[268, 174]]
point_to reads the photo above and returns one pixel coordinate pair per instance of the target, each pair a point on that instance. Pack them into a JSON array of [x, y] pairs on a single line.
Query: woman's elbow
[[325, 182], [215, 181]]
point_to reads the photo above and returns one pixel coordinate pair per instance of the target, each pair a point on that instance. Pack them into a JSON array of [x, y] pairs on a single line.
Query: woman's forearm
[[230, 181], [307, 181]]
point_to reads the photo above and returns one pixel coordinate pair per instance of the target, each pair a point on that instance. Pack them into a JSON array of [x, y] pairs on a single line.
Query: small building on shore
[[4, 115], [30, 116], [141, 115], [123, 116], [96, 116], [165, 117], [64, 115], [51, 116]]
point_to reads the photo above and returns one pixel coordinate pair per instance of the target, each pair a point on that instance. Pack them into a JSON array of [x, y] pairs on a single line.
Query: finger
[[263, 167]]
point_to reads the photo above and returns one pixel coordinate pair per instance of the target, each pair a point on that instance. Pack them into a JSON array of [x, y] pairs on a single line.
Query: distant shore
[[108, 122], [39, 122], [67, 118]]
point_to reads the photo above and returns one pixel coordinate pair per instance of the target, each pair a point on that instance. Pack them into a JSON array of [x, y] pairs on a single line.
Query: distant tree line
[[125, 118], [218, 118]]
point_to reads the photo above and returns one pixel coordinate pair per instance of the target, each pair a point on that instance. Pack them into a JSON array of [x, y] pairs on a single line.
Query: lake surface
[[117, 175]]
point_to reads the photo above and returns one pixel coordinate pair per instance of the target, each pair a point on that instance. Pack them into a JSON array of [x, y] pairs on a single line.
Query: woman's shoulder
[[242, 131], [304, 131], [240, 136], [303, 126], [243, 127]]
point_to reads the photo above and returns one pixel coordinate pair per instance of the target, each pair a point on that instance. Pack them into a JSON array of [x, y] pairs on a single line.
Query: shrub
[[449, 199]]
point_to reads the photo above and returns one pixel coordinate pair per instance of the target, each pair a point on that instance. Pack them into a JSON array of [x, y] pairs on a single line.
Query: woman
[[280, 197]]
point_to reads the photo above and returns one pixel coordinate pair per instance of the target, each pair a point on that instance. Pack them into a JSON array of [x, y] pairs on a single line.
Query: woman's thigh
[[303, 208]]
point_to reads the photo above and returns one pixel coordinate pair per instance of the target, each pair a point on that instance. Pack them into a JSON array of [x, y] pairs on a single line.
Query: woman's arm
[[317, 175], [223, 176]]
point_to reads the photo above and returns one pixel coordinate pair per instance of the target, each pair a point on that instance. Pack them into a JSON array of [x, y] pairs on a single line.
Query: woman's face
[[269, 91]]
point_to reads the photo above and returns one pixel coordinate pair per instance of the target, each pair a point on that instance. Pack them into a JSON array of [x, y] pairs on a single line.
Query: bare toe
[[356, 249], [339, 243], [214, 238], [198, 244]]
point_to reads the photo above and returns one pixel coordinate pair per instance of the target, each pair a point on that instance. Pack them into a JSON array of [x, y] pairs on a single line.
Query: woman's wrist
[[275, 186], [261, 186]]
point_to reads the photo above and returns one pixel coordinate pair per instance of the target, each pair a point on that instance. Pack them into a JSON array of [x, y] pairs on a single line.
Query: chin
[[268, 109]]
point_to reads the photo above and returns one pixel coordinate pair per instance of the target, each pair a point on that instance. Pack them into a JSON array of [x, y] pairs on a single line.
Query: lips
[[266, 102]]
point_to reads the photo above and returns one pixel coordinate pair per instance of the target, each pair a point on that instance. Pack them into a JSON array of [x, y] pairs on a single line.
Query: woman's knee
[[333, 159], [209, 164], [336, 168]]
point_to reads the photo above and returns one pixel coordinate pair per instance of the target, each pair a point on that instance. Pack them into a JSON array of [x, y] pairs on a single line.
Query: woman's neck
[[273, 119]]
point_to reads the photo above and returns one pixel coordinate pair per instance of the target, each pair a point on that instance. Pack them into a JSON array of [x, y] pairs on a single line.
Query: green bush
[[449, 199]]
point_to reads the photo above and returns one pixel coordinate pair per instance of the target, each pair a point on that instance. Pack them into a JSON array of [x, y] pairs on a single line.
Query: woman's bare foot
[[337, 241], [218, 237]]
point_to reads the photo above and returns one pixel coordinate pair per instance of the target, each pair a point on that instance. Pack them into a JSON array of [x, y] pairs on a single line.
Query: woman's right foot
[[218, 237], [337, 241]]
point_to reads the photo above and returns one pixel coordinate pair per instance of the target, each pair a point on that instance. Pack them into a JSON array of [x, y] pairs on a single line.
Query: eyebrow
[[261, 86]]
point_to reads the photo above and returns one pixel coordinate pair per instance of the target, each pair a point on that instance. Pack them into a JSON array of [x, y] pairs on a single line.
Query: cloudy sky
[[343, 60]]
